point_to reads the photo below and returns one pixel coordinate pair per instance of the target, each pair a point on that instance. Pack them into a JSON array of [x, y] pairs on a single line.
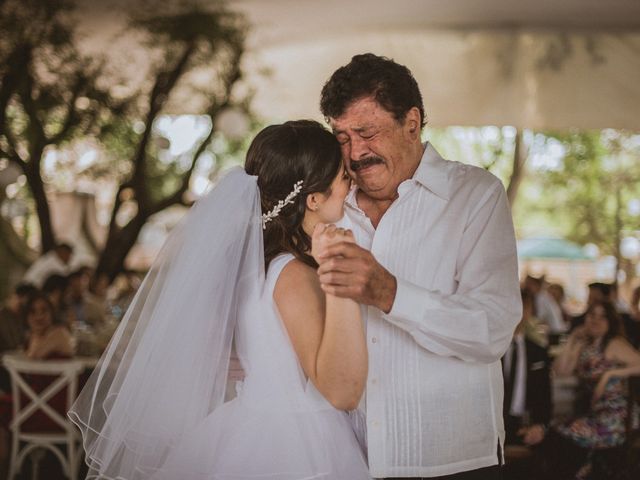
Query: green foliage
[[487, 147], [597, 175], [578, 184]]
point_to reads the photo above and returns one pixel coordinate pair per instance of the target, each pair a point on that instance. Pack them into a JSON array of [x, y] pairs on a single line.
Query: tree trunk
[[34, 179], [520, 155], [119, 243]]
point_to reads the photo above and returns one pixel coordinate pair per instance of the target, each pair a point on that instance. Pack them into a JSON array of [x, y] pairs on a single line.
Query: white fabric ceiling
[[542, 64]]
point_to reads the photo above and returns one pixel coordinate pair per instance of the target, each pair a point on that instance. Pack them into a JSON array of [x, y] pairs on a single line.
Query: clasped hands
[[349, 271]]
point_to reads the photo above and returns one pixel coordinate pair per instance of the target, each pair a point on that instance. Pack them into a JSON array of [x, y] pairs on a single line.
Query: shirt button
[[374, 381], [374, 339]]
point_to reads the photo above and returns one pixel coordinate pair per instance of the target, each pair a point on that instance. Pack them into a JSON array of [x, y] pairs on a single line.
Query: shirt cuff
[[411, 300]]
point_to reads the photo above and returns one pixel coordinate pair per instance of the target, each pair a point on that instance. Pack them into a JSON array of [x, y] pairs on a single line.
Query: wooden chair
[[633, 428], [39, 420]]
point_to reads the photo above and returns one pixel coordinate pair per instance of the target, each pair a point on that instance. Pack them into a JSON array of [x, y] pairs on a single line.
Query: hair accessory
[[267, 217]]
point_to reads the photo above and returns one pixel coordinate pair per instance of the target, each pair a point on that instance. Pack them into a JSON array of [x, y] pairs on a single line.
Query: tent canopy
[[550, 248], [544, 64]]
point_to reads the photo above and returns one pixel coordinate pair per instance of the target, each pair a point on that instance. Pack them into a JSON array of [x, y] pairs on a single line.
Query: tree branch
[[520, 156], [32, 112], [165, 82], [71, 117], [18, 60], [13, 155]]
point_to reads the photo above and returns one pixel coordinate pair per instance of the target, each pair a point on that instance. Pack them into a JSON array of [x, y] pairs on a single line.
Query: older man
[[436, 271]]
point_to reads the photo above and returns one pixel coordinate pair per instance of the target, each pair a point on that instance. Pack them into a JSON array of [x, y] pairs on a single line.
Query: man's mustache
[[365, 162]]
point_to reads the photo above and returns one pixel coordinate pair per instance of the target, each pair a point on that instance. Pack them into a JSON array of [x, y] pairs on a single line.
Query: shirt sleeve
[[476, 322]]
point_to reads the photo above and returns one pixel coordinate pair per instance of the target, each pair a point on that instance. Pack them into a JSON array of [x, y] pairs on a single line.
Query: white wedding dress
[[154, 406], [279, 426]]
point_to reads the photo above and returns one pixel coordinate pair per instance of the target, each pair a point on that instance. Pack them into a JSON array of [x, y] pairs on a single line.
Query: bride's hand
[[326, 235]]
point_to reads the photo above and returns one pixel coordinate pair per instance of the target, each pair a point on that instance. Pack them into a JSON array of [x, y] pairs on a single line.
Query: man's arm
[[477, 321]]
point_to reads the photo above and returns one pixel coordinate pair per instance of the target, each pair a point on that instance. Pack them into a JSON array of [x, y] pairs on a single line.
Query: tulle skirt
[[238, 441]]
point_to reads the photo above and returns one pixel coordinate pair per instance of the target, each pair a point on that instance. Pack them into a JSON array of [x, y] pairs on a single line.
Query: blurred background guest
[[12, 326], [122, 292], [587, 445], [631, 327], [598, 292], [634, 307], [527, 393], [557, 292], [85, 308], [547, 309], [45, 337], [55, 288], [56, 261]]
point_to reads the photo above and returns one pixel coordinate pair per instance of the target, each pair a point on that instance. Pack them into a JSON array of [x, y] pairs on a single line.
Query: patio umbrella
[[550, 248]]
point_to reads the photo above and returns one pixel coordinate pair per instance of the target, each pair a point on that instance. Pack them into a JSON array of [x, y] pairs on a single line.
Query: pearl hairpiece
[[267, 217]]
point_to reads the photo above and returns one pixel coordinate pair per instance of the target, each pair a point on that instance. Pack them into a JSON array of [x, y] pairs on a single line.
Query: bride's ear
[[313, 201]]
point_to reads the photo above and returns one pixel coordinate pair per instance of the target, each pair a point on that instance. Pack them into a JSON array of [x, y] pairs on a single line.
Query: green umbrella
[[556, 248]]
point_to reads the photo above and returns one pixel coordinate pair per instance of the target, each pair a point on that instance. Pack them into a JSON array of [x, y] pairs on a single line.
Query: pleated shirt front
[[435, 389]]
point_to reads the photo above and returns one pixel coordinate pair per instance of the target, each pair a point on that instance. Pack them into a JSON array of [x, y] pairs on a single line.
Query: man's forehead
[[361, 115], [353, 127]]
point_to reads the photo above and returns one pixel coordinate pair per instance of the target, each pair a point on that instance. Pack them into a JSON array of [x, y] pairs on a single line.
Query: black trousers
[[487, 473]]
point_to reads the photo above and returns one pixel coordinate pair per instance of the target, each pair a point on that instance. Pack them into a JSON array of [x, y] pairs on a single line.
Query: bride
[[239, 269]]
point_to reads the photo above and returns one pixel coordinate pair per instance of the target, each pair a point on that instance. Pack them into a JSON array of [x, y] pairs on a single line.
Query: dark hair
[[64, 246], [603, 288], [281, 156], [25, 289], [616, 328], [367, 75], [38, 295], [55, 282], [78, 273], [528, 299]]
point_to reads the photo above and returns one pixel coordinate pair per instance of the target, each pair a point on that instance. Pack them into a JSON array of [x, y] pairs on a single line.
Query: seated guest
[[45, 337], [57, 261], [84, 308], [557, 292], [527, 392], [547, 310], [12, 326], [631, 326], [598, 292], [602, 359], [55, 288], [634, 307]]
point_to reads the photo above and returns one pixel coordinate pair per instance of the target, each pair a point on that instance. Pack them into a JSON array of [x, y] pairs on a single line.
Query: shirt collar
[[432, 173]]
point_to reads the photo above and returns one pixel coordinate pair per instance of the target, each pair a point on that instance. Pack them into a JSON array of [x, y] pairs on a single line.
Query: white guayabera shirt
[[434, 392]]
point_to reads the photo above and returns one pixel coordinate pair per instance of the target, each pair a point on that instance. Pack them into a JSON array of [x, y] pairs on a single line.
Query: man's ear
[[412, 123]]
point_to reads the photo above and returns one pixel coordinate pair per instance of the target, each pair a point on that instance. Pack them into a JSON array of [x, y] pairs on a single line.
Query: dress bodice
[[273, 375]]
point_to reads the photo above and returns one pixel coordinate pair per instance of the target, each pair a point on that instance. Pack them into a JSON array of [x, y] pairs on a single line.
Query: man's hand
[[533, 434], [349, 271]]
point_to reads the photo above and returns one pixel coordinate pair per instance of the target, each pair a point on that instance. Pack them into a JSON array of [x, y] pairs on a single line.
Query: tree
[[588, 190], [189, 41], [501, 150], [49, 93]]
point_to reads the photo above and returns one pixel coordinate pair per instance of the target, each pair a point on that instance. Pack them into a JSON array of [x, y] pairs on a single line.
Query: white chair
[[63, 442]]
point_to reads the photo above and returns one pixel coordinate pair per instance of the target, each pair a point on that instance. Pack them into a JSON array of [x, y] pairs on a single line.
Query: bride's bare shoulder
[[299, 278]]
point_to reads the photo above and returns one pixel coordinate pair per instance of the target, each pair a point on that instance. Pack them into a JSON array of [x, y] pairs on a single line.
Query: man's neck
[[375, 208]]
